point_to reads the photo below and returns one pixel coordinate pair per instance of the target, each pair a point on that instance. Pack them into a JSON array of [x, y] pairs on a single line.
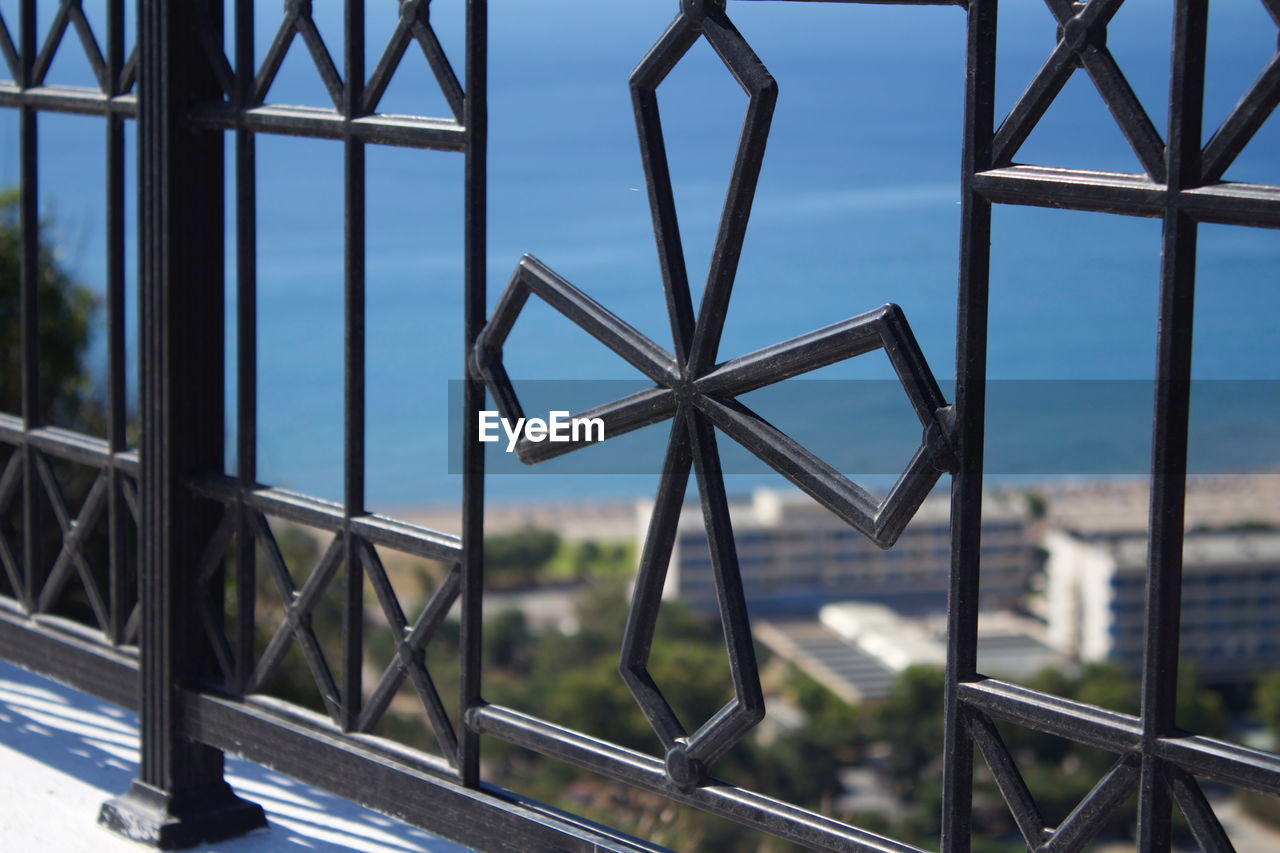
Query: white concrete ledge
[[63, 753]]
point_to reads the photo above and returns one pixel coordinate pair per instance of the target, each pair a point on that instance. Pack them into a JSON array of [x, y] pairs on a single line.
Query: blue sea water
[[857, 205]]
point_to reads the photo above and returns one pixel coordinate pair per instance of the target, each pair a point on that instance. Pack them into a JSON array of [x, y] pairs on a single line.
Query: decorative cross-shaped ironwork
[[74, 558], [699, 395], [299, 607], [298, 610], [411, 642], [75, 531]]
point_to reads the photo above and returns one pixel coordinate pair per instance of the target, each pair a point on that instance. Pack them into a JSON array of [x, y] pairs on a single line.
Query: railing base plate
[[167, 822]]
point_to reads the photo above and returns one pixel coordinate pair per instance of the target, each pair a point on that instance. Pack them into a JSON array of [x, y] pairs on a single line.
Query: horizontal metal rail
[[404, 784], [407, 131], [326, 515], [1113, 731], [71, 653], [1229, 203], [68, 99], [69, 445], [634, 768]]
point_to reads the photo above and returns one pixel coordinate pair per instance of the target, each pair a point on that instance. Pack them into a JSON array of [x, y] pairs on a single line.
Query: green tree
[[66, 313], [1200, 709], [803, 764], [910, 718], [588, 555], [1107, 686], [1266, 701], [508, 643], [516, 559]]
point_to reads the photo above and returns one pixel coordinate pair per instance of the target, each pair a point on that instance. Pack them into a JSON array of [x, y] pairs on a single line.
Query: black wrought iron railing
[[169, 601]]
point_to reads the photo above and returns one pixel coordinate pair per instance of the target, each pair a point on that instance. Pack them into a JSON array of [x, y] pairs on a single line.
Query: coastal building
[[856, 650], [1095, 588], [1111, 505], [795, 556]]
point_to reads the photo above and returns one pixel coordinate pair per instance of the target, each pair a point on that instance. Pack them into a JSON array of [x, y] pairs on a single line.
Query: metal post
[[246, 349], [354, 358], [179, 798], [971, 372], [476, 119], [1170, 424], [121, 596], [36, 555]]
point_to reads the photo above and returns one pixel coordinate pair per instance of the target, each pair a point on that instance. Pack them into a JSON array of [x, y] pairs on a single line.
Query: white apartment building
[[795, 556], [1096, 586]]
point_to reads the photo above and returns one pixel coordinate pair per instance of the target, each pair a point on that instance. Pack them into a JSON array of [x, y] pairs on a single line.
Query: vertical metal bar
[[1169, 428], [473, 396], [354, 243], [246, 348], [971, 372], [117, 396], [35, 519], [179, 798]]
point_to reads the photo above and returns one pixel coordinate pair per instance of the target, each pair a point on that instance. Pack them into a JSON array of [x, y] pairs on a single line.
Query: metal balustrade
[[171, 651]]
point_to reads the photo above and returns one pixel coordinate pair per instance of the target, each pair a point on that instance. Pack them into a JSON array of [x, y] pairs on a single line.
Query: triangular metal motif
[[297, 22], [414, 26], [1082, 44]]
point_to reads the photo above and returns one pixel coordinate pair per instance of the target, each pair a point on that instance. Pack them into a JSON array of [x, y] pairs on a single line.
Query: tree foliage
[[1266, 701], [517, 559], [66, 312]]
